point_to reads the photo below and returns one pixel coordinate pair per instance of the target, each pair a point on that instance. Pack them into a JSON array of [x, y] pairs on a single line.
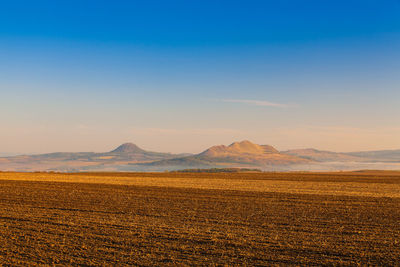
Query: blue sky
[[180, 76]]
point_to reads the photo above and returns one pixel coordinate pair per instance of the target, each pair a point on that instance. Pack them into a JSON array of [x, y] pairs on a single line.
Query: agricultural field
[[200, 218]]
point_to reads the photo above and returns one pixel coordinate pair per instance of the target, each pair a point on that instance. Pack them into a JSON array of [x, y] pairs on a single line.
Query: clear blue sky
[[180, 76]]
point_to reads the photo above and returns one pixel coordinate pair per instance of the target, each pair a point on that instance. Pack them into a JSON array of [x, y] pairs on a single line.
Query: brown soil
[[67, 223]]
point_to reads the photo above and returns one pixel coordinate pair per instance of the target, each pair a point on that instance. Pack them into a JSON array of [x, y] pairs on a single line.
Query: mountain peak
[[245, 147], [242, 147], [242, 143], [128, 148], [249, 147]]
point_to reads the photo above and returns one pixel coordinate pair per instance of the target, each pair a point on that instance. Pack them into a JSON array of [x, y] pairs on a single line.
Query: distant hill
[[131, 152], [244, 154], [238, 154], [128, 148], [378, 155], [363, 156], [65, 161], [322, 156], [239, 148]]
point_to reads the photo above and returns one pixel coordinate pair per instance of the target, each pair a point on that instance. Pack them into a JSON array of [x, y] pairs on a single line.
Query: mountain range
[[244, 154], [127, 153], [238, 154]]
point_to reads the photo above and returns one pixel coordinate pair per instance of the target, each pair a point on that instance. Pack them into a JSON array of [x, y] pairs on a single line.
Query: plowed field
[[203, 219]]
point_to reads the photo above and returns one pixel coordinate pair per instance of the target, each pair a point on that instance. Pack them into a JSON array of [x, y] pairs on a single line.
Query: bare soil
[[88, 223]]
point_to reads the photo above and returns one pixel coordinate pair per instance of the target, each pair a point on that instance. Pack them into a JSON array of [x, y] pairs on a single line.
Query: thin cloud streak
[[256, 103]]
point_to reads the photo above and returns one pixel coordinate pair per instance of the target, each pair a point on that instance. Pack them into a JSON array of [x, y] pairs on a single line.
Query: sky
[[180, 76]]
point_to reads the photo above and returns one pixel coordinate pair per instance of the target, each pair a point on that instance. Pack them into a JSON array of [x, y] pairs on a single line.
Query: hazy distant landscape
[[244, 154]]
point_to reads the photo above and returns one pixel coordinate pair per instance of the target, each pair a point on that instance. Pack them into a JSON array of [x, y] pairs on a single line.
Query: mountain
[[132, 153], [244, 154], [238, 154], [378, 155], [322, 156], [64, 161], [239, 148], [363, 156], [128, 148]]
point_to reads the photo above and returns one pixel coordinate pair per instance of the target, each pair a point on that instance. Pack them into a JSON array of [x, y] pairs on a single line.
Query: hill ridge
[[237, 154]]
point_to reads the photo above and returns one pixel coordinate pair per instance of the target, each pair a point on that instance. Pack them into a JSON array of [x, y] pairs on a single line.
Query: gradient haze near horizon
[[180, 76]]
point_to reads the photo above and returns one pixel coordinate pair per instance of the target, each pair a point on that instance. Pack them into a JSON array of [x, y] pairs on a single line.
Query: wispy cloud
[[256, 103]]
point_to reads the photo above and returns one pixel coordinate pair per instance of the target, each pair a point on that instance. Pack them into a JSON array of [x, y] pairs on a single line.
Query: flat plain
[[200, 218]]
